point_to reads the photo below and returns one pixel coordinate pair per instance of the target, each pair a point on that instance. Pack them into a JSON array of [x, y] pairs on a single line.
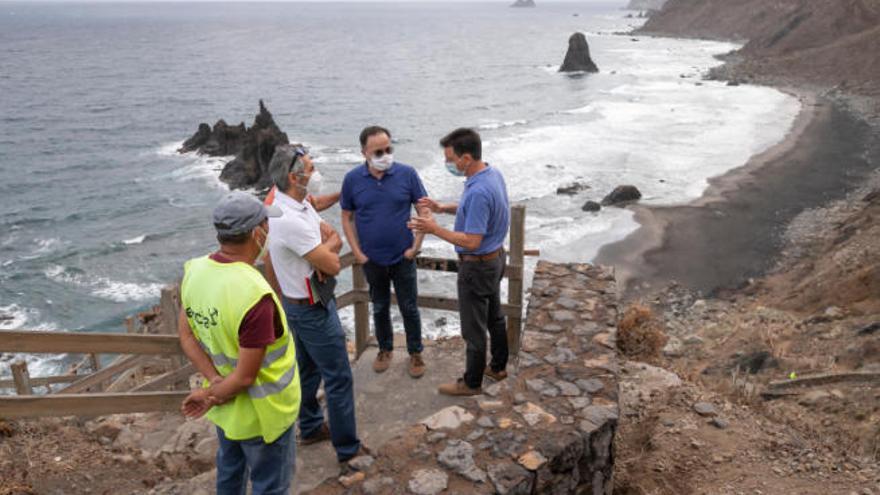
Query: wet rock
[[510, 479], [705, 409], [622, 195], [428, 482], [577, 58], [591, 206], [458, 456], [572, 189], [253, 148], [449, 418]]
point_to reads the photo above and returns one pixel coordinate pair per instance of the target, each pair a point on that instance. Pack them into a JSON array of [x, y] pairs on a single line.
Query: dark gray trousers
[[479, 307]]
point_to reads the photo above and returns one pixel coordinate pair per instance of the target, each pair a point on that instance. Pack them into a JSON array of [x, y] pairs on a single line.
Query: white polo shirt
[[291, 236]]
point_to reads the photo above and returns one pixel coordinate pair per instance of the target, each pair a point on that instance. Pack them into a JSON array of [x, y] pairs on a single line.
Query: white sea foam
[[652, 123], [135, 240], [12, 317], [497, 124], [103, 287], [193, 166]]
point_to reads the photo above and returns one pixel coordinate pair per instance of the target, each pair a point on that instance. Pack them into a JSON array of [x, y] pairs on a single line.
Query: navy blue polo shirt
[[381, 209], [484, 209]]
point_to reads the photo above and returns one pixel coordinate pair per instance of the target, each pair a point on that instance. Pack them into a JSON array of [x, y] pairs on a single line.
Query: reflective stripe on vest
[[224, 360]]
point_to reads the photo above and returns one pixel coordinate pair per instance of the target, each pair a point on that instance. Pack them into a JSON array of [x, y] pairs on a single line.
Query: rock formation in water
[[577, 58], [523, 3], [253, 148], [621, 195]]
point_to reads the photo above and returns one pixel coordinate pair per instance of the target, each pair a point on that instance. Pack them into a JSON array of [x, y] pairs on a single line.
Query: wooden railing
[[118, 387]]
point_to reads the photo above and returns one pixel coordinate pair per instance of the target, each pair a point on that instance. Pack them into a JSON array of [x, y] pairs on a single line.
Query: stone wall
[[548, 428]]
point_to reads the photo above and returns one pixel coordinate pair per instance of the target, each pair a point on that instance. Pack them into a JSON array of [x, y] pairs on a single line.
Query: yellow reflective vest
[[216, 297]]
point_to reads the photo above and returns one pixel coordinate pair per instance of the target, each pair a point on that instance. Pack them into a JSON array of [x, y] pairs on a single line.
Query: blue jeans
[[405, 278], [321, 355], [269, 465]]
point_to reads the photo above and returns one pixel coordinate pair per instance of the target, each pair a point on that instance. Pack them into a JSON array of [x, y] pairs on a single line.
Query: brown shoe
[[416, 365], [382, 362], [458, 388], [495, 375], [322, 435]]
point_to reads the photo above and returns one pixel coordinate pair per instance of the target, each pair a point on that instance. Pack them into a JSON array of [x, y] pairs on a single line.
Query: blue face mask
[[450, 166]]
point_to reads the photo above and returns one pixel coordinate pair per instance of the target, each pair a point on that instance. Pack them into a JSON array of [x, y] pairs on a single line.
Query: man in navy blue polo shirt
[[377, 200], [482, 218]]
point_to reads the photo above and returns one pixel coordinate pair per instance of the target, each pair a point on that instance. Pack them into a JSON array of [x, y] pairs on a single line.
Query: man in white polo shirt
[[300, 244]]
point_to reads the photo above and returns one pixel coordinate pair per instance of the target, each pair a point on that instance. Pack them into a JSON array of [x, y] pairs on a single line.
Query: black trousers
[[479, 307]]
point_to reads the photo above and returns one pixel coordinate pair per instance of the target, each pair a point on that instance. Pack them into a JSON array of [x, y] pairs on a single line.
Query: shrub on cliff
[[639, 334]]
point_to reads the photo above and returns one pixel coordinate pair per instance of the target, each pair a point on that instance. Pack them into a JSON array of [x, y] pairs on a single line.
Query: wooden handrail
[[35, 341], [32, 406]]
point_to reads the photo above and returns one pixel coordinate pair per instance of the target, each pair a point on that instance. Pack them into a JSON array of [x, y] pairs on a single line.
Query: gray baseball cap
[[239, 212]]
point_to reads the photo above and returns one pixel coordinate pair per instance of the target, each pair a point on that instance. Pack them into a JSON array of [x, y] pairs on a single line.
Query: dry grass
[[639, 334]]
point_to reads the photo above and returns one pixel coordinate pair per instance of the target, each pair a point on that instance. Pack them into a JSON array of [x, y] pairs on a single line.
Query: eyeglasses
[[297, 152], [382, 152]]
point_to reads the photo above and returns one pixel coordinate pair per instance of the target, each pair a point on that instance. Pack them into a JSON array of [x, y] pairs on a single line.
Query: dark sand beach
[[733, 232]]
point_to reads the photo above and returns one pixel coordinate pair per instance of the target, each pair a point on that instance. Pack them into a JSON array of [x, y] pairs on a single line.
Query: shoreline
[[731, 233]]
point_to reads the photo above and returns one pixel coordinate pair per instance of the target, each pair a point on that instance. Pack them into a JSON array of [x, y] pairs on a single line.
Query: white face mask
[[315, 181], [384, 163]]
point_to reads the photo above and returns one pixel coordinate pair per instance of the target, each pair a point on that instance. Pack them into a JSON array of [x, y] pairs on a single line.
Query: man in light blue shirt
[[482, 218]]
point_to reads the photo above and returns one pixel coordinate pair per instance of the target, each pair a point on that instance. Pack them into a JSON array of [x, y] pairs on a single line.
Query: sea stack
[[577, 59], [253, 147], [523, 3]]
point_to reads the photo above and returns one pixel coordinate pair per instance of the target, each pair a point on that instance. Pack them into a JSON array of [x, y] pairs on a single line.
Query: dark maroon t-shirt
[[262, 324]]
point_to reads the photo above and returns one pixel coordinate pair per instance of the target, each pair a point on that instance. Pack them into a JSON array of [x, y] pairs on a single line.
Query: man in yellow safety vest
[[233, 329]]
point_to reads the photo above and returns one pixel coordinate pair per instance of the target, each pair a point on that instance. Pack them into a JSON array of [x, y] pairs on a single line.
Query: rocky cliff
[[821, 42]]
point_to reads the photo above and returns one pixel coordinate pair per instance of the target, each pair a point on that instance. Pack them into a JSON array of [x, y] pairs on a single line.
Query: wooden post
[[95, 362], [361, 310], [515, 277], [22, 378], [169, 307]]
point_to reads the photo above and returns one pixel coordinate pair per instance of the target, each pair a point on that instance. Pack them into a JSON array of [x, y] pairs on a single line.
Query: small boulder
[[705, 409], [622, 195], [428, 482], [449, 418], [591, 206], [577, 58]]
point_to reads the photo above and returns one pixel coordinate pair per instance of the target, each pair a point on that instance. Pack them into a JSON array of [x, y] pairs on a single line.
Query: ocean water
[[98, 211]]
